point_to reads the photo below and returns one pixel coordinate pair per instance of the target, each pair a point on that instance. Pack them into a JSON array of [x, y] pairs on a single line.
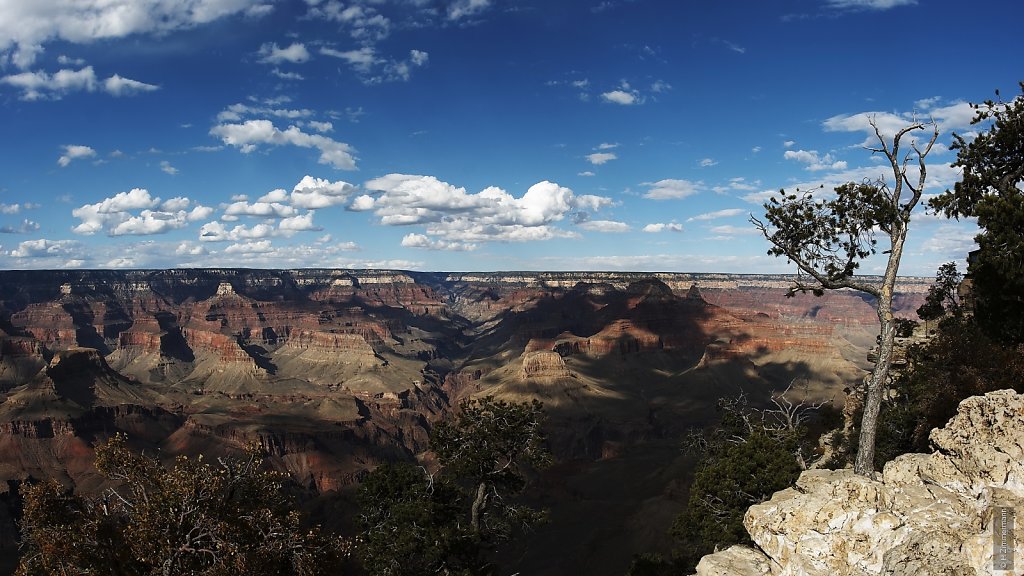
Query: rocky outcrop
[[329, 342], [926, 514], [543, 364]]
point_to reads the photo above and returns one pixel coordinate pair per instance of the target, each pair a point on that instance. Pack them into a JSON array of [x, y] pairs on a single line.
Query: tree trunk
[[865, 462], [478, 507]]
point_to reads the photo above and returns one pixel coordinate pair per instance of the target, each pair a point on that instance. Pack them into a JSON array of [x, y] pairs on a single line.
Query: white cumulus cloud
[[953, 117], [137, 213], [621, 97], [43, 247], [190, 249], [599, 158], [75, 152], [450, 213], [249, 135], [814, 161], [300, 223], [259, 209], [27, 25], [422, 241], [312, 193]]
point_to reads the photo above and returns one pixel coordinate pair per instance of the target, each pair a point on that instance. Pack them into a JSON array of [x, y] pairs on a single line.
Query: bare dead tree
[[789, 416]]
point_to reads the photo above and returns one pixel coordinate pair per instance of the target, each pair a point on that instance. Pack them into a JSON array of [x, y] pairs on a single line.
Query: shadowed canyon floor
[[335, 371]]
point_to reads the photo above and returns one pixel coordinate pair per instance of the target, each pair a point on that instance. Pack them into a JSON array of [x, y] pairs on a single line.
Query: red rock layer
[[49, 323]]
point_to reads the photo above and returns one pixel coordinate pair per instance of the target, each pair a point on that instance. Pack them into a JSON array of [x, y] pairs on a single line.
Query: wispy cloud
[[27, 226], [659, 86], [375, 69], [726, 213], [296, 53], [462, 9], [868, 4], [731, 46], [40, 85], [611, 226], [363, 22], [671, 189]]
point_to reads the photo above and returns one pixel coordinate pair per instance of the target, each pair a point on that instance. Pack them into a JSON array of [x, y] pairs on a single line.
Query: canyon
[[333, 372]]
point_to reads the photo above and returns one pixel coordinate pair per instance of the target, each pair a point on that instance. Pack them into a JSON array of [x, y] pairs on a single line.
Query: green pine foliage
[[750, 456], [992, 190], [410, 524], [418, 524], [489, 448]]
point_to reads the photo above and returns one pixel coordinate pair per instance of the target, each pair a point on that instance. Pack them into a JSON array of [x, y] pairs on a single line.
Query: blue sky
[[466, 134]]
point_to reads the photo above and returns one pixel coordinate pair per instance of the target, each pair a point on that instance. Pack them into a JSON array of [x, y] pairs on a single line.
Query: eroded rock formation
[[926, 514]]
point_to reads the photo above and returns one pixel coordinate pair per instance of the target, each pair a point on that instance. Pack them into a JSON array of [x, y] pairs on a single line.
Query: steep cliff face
[[926, 514]]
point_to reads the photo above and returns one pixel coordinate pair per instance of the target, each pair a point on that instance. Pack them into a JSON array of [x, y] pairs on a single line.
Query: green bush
[[735, 476], [410, 525]]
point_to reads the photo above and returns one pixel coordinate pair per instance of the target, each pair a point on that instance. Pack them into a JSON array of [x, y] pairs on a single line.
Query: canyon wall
[[337, 371], [269, 349]]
